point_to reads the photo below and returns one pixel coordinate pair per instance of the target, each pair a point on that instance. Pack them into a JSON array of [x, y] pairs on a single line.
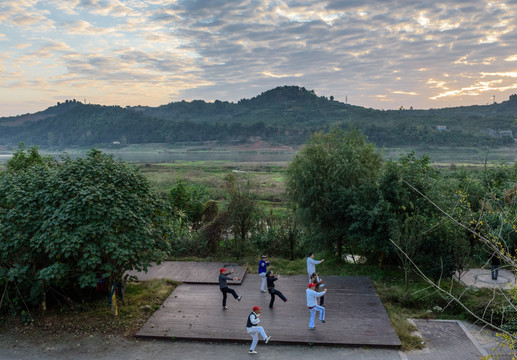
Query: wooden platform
[[190, 272], [355, 315]]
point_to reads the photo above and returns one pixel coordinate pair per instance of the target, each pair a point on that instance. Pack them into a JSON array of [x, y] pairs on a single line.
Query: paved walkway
[[482, 278], [14, 347]]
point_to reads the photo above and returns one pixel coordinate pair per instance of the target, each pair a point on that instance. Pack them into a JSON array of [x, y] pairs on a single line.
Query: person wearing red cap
[[223, 286], [254, 329], [312, 304]]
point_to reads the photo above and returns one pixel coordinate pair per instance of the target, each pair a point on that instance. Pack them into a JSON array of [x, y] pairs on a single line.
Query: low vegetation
[[94, 315]]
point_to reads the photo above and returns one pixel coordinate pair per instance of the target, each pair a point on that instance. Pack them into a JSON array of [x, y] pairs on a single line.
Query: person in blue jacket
[[262, 271]]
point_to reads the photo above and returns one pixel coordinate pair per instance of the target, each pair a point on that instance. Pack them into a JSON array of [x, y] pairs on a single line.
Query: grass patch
[[142, 299], [405, 330]]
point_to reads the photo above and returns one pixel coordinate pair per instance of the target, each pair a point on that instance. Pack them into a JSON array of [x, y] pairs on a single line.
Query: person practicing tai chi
[[254, 329], [262, 271], [313, 306], [223, 285], [271, 278], [319, 286], [311, 264]]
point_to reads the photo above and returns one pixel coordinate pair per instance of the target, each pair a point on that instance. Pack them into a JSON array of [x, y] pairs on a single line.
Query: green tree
[[24, 158], [63, 226], [325, 175], [189, 200], [242, 207]]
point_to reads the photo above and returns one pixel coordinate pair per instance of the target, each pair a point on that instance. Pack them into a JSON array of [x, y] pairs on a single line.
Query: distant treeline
[[284, 115]]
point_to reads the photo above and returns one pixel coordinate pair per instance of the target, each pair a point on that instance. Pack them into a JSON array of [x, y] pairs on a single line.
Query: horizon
[[129, 53], [211, 102]]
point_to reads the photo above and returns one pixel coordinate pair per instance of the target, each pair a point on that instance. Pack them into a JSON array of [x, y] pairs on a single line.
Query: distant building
[[506, 133], [116, 142], [441, 128]]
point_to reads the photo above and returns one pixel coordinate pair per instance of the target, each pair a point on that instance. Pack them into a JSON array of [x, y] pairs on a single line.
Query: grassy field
[[268, 176]]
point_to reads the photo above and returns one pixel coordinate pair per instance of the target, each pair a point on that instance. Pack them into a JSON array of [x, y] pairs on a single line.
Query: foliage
[[286, 114], [94, 318], [282, 236], [23, 158], [64, 226], [323, 178], [242, 209], [190, 200]]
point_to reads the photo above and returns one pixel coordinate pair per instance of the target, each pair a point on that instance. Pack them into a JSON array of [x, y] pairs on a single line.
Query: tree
[[325, 174], [23, 158], [189, 200], [491, 221], [64, 226], [242, 206]]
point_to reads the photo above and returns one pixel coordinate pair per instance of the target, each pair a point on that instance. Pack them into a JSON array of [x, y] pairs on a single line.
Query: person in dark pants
[[271, 278], [223, 278], [315, 279], [495, 266]]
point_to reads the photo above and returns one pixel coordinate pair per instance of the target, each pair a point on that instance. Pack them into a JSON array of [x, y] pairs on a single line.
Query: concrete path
[[14, 346], [482, 278]]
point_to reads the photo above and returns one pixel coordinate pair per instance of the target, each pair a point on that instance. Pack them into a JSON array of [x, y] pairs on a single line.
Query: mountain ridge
[[285, 115]]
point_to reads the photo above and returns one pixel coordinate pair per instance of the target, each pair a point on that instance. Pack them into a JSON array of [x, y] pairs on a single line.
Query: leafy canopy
[[63, 226], [325, 175]]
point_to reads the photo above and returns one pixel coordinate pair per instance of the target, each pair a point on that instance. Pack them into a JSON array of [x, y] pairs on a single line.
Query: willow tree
[[324, 178]]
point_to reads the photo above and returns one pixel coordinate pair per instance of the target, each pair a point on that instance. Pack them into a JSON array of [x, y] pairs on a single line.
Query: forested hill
[[284, 115]]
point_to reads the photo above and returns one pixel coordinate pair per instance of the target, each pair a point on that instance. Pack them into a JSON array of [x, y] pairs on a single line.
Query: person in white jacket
[[312, 304], [311, 264], [254, 329]]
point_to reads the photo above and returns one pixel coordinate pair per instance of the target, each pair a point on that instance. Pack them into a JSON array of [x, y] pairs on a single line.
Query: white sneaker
[[225, 307], [267, 339], [239, 298], [253, 352], [262, 291]]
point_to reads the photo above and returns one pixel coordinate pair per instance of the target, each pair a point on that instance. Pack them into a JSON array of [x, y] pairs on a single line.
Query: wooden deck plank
[[355, 315]]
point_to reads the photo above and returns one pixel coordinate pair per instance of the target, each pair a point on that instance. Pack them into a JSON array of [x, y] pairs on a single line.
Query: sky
[[376, 54]]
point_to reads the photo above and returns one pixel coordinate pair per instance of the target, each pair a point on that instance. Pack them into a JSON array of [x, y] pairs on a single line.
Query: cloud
[[377, 52], [105, 7], [84, 28]]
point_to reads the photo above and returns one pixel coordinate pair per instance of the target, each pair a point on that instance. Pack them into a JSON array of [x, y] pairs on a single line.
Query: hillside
[[285, 115]]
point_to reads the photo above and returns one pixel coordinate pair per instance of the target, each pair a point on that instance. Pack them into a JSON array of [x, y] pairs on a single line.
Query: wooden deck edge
[[273, 341]]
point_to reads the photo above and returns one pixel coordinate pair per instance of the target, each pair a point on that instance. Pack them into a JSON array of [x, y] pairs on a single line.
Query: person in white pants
[[311, 264], [254, 329], [312, 304], [262, 271]]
